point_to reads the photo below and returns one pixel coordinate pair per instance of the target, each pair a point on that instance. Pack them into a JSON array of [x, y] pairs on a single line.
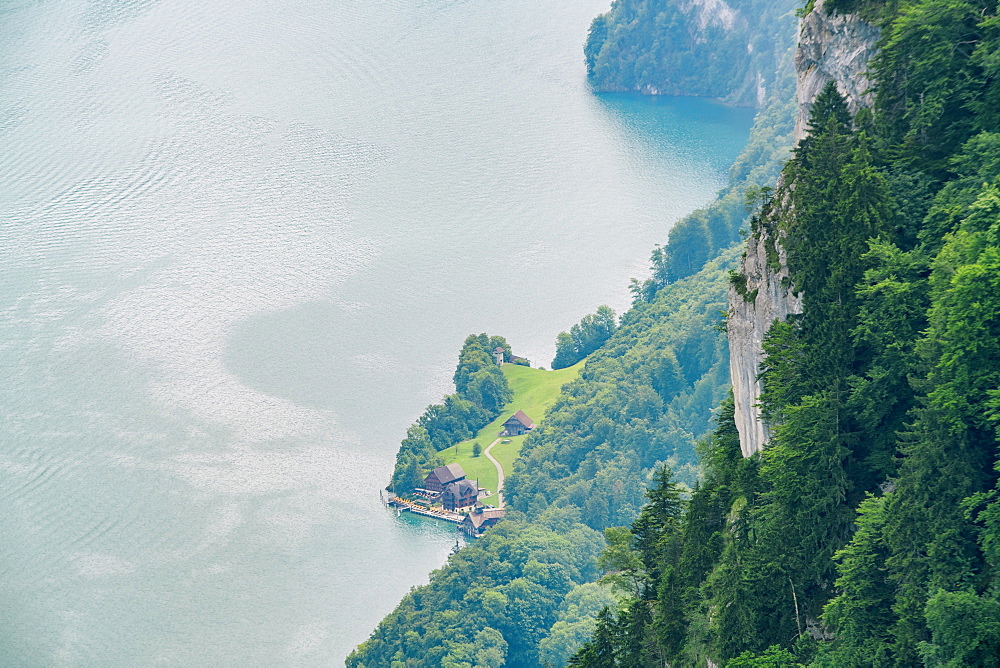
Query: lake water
[[240, 246]]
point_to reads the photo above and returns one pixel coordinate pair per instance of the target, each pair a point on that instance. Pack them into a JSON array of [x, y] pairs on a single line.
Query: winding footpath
[[489, 456]]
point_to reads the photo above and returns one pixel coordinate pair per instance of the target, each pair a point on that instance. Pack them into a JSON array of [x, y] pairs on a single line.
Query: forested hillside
[[481, 391], [867, 532], [645, 398], [585, 468], [730, 49]]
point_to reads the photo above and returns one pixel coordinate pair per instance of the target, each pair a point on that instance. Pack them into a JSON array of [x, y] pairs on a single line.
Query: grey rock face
[[747, 324], [835, 47], [713, 12]]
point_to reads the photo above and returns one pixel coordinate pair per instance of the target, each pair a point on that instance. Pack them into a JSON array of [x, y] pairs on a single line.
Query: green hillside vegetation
[[584, 337], [534, 392], [677, 48], [867, 531], [481, 392], [644, 398], [495, 601]]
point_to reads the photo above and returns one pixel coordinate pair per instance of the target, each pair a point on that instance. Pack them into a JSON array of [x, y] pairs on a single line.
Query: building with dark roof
[[517, 424], [480, 519], [442, 476], [461, 494]]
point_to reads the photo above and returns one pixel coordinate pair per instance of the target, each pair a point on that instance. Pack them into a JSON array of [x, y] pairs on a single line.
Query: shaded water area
[[240, 246]]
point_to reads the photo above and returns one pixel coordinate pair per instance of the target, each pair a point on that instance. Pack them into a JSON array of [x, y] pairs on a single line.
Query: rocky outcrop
[[753, 307], [837, 47], [713, 12]]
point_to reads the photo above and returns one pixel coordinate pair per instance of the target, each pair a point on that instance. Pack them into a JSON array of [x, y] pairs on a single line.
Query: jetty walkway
[[416, 508]]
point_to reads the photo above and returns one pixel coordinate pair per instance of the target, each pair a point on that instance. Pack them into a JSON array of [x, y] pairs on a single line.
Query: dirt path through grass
[[497, 464]]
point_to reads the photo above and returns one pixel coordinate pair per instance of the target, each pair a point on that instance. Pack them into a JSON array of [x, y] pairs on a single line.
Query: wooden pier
[[408, 506]]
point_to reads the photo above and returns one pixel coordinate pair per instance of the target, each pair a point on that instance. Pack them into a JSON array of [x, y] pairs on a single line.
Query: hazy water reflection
[[240, 245]]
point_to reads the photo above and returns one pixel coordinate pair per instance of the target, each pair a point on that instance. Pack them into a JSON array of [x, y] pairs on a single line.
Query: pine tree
[[658, 521], [861, 615]]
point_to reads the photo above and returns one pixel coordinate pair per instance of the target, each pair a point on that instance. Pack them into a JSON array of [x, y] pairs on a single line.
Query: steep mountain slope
[[715, 48], [644, 398], [831, 47], [853, 521]]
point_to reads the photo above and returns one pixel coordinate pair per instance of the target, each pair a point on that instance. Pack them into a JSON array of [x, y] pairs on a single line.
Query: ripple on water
[[364, 183], [104, 14], [90, 55]]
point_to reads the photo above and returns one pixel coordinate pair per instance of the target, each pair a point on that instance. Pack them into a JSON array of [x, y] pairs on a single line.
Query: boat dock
[[408, 506]]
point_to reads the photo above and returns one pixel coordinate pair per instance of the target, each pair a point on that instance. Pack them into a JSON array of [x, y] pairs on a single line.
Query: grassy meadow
[[535, 390]]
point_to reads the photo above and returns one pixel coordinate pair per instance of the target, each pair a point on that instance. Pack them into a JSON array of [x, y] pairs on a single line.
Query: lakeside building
[[480, 519], [461, 494], [443, 476], [448, 486]]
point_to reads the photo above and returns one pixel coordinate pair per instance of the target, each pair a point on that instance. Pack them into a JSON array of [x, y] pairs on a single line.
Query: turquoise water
[[240, 246]]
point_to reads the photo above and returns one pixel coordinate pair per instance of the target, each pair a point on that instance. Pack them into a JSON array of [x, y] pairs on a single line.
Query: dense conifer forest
[[867, 532]]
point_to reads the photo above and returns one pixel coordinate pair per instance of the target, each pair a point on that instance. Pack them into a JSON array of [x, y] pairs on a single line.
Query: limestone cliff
[[836, 47], [833, 46], [752, 309]]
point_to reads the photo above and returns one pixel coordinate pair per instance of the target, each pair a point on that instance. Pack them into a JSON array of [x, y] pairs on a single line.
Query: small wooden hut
[[517, 424]]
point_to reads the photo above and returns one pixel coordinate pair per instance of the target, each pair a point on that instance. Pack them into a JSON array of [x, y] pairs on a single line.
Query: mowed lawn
[[535, 390]]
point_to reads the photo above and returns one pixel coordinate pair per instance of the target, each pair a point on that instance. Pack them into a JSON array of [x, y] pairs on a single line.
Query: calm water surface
[[240, 246]]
